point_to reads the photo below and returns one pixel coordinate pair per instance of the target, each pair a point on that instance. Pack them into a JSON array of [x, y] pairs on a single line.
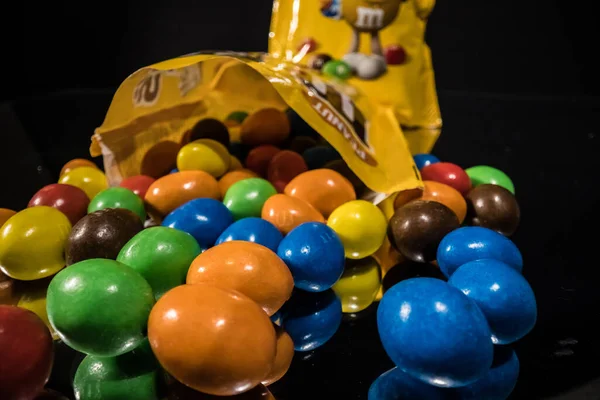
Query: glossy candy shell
[[247, 197], [70, 200], [287, 212], [256, 230], [118, 197], [89, 179]]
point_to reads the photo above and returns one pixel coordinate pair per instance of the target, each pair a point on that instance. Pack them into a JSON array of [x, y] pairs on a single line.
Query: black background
[[518, 89]]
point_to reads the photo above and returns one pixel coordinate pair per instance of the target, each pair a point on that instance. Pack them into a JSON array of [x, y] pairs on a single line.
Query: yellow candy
[[91, 180], [204, 155], [235, 164], [32, 243], [33, 298], [361, 226], [358, 286]]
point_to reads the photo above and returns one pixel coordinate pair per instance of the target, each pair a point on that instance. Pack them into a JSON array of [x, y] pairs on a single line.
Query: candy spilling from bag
[[248, 202]]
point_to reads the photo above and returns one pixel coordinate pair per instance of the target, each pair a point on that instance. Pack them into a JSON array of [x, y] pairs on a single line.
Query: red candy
[[284, 167], [395, 55], [138, 184], [70, 200], [449, 174], [27, 353], [308, 45], [260, 157]]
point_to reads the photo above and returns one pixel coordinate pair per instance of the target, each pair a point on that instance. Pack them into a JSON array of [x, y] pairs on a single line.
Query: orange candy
[[248, 268], [436, 191], [266, 126], [324, 189], [174, 190], [5, 214], [213, 340], [76, 163], [232, 177], [283, 356], [287, 212]]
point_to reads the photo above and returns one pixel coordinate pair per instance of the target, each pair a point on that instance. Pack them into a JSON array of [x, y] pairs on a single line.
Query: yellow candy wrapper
[[154, 110], [380, 41]]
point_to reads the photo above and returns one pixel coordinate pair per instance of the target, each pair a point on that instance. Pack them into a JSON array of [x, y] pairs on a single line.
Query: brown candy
[[160, 159], [435, 191], [101, 234], [266, 126], [213, 340], [174, 190], [324, 189], [301, 143], [232, 177], [317, 61], [493, 207], [287, 212], [417, 229], [8, 293], [343, 169], [248, 268], [283, 356], [208, 128]]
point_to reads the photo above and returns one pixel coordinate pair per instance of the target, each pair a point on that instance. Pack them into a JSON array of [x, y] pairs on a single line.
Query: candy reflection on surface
[[204, 219], [286, 212], [101, 234], [324, 189], [314, 254], [174, 190], [132, 376], [256, 230], [504, 296], [433, 332], [247, 197], [359, 284], [498, 383], [27, 353], [483, 174], [225, 342], [32, 243], [311, 319], [138, 184], [85, 305], [161, 255], [473, 243], [361, 226], [398, 385], [245, 267], [70, 200], [417, 228], [118, 197], [449, 174], [493, 207], [283, 356], [89, 179]]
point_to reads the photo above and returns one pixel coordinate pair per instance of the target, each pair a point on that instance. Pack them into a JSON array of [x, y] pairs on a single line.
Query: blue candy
[[204, 219], [423, 160], [398, 385], [498, 383], [314, 254], [504, 296], [474, 243], [435, 333], [311, 319], [174, 170], [316, 157], [255, 230]]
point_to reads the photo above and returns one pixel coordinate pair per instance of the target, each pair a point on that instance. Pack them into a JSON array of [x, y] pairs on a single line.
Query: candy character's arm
[[424, 8]]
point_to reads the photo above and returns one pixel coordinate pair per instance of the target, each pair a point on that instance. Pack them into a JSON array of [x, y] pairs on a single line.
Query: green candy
[[247, 197], [337, 69], [100, 307], [162, 256], [133, 376], [483, 174], [237, 116], [118, 197]]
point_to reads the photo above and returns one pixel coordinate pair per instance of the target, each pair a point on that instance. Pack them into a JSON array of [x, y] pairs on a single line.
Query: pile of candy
[[204, 280]]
